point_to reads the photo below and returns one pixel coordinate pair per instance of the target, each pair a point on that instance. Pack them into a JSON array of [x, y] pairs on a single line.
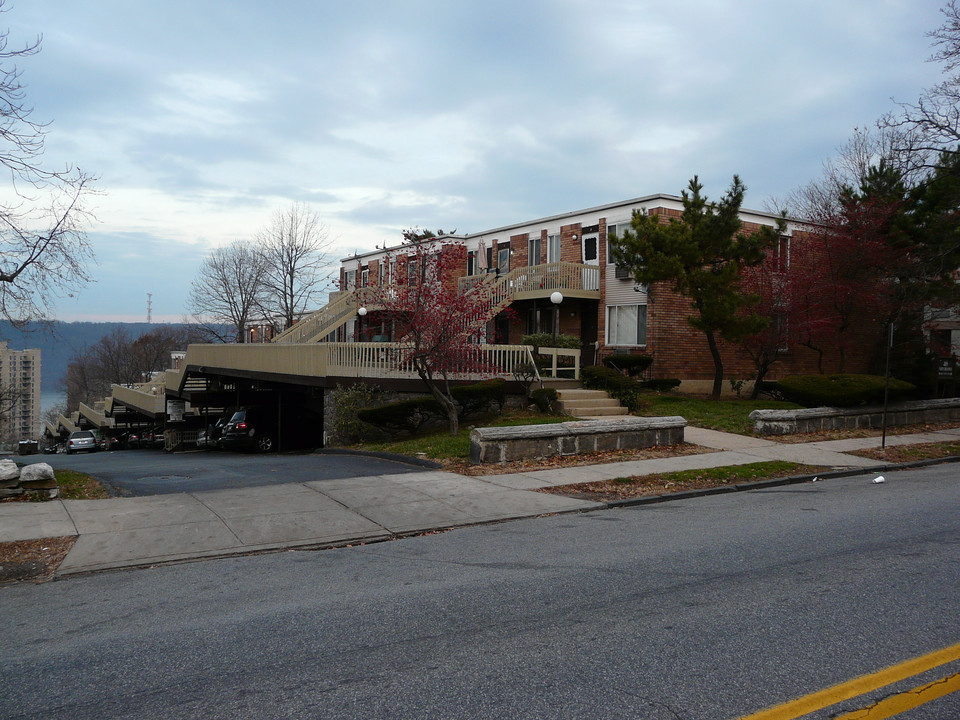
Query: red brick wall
[[519, 250], [570, 249], [681, 351]]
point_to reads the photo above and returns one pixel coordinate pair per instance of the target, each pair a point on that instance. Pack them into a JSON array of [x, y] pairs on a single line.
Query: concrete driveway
[[134, 473]]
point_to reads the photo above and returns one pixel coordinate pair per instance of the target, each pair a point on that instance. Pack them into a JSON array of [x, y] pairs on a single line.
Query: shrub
[[525, 374], [768, 388], [404, 415], [633, 364], [348, 428], [660, 384], [548, 340], [623, 388], [414, 414], [839, 390], [545, 399], [604, 378], [480, 396]]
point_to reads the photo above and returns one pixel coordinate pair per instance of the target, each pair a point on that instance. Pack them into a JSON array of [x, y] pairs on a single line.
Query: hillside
[[60, 341]]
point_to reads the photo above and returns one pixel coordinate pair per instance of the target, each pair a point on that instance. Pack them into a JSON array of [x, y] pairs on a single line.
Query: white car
[[82, 440]]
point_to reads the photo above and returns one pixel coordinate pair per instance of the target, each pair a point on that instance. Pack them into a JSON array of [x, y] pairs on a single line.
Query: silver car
[[81, 440]]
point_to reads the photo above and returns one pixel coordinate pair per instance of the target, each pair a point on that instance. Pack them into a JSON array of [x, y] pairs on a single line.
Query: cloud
[[201, 119]]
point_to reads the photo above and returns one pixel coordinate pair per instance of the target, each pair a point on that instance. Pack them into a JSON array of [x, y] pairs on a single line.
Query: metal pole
[[886, 388]]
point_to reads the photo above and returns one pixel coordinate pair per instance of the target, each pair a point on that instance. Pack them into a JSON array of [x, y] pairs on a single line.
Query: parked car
[[81, 440], [210, 438], [108, 443], [130, 440], [251, 428], [157, 438]]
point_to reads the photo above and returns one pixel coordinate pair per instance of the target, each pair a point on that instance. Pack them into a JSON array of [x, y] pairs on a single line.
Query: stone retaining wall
[[37, 478], [788, 422], [504, 444]]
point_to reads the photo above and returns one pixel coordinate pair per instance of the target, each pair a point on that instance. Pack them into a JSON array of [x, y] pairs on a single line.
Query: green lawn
[[441, 445], [726, 415], [725, 475]]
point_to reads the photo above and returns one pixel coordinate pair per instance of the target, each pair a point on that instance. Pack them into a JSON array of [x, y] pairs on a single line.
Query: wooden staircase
[[589, 403]]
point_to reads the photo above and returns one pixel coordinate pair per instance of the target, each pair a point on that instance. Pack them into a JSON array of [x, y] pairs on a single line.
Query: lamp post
[[556, 297], [362, 312]]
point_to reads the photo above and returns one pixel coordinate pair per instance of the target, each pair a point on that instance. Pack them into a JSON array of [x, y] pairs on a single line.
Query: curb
[[407, 459], [777, 482]]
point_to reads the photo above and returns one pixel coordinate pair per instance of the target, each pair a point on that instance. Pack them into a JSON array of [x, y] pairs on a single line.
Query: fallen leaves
[[463, 467], [33, 560]]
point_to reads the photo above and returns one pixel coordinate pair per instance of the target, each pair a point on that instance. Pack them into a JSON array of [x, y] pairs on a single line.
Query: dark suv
[[251, 428]]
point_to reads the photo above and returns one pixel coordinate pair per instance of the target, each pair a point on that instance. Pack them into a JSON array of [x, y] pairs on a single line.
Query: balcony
[[539, 281]]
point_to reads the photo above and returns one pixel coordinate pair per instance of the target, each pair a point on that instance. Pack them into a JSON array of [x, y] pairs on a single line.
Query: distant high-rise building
[[19, 394]]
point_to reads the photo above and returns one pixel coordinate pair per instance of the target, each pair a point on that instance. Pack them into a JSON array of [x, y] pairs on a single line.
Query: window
[[783, 253], [350, 280], [381, 270], [533, 250], [411, 270], [540, 320], [553, 248], [781, 329], [364, 277], [621, 272], [615, 231], [627, 325], [503, 258], [392, 271], [590, 249], [471, 263]]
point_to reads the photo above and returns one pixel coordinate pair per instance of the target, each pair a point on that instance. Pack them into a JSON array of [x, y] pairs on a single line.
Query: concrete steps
[[589, 403]]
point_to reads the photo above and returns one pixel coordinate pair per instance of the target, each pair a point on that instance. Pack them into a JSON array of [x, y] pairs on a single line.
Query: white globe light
[[362, 311], [556, 297]]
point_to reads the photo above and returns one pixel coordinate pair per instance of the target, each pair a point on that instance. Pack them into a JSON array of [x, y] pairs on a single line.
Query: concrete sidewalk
[[130, 532]]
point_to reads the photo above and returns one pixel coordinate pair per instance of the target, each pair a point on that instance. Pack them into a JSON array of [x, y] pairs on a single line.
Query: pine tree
[[702, 254]]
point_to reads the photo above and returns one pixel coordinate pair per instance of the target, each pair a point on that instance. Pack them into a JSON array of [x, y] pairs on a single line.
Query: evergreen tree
[[702, 254]]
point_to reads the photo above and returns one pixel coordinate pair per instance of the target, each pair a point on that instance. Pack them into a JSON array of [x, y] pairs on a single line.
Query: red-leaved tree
[[437, 322], [768, 284], [842, 288]]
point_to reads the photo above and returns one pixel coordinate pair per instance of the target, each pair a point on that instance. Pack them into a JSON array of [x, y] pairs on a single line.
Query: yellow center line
[[901, 702], [856, 687]]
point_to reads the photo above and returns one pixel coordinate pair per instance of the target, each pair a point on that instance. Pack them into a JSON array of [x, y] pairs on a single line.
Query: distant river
[[51, 398]]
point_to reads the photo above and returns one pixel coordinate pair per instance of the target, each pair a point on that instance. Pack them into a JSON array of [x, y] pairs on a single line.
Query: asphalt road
[[155, 472], [704, 608]]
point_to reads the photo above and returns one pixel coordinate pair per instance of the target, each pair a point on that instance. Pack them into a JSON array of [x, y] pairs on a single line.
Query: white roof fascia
[[616, 212]]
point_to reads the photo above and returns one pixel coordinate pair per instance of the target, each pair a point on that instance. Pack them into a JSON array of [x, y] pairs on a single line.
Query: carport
[[131, 410], [296, 403]]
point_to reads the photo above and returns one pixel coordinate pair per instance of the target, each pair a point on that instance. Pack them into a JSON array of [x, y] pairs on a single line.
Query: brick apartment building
[[601, 304]]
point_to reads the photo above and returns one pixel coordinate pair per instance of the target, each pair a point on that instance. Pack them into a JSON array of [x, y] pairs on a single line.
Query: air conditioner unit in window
[[622, 273]]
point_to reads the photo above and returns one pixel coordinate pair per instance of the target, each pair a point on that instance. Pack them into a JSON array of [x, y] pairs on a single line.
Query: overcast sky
[[201, 118]]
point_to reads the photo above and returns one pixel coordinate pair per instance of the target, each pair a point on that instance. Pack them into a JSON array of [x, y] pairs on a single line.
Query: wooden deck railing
[[390, 360], [535, 279], [555, 369], [350, 359], [519, 283], [313, 325]]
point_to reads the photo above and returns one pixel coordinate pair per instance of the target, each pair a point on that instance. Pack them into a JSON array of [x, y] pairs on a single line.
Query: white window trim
[[557, 246], [611, 320]]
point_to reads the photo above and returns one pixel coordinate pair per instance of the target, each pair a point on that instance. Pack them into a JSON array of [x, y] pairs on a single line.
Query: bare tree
[[819, 200], [43, 244], [294, 248], [228, 291], [931, 126], [118, 358]]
